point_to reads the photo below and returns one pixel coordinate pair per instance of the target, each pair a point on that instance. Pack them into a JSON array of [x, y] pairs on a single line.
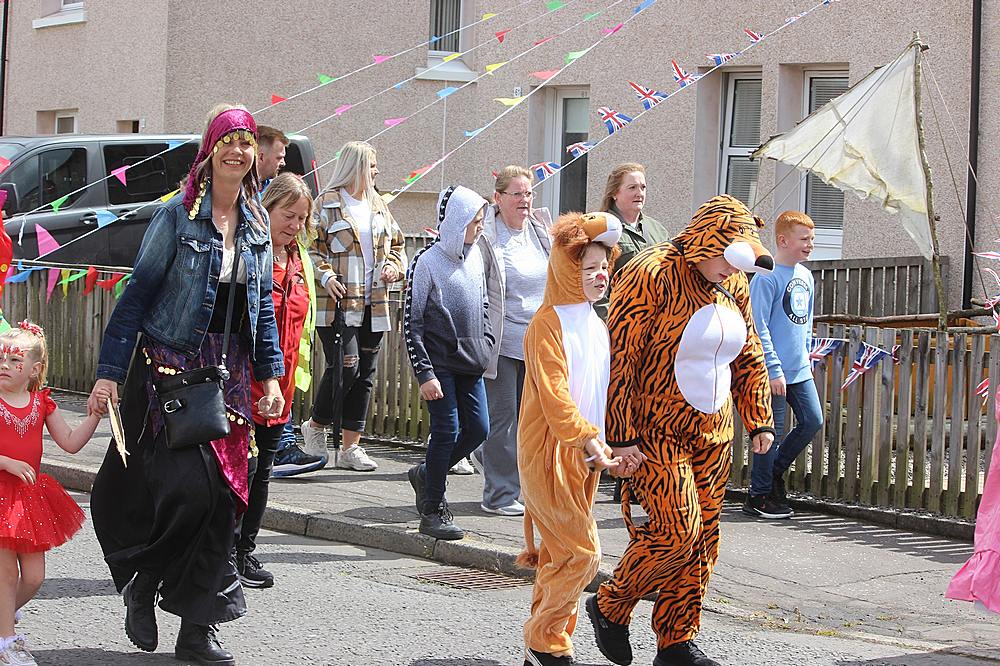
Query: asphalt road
[[340, 604]]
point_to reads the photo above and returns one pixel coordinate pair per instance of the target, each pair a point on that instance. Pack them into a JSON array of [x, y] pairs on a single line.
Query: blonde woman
[[357, 253]]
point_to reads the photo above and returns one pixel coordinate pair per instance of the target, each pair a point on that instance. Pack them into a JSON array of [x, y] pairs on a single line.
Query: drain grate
[[469, 579]]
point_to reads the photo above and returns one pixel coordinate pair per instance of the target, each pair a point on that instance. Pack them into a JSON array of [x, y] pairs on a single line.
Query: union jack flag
[[895, 354], [612, 119], [681, 77], [721, 58], [575, 149], [647, 96], [754, 36], [819, 348], [983, 390], [866, 359], [545, 169]]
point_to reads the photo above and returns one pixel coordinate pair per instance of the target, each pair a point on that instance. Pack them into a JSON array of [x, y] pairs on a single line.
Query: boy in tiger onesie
[[561, 430], [683, 349]]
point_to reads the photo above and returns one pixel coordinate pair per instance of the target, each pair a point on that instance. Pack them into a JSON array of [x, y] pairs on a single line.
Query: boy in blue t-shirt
[[783, 313]]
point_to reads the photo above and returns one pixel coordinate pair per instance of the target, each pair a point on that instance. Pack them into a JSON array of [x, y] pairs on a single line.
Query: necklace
[[20, 425]]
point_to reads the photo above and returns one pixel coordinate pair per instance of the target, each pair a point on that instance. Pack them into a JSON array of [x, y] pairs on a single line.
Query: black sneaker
[[440, 524], [778, 493], [683, 654], [252, 574], [533, 658], [762, 506], [293, 460], [611, 637], [418, 477]]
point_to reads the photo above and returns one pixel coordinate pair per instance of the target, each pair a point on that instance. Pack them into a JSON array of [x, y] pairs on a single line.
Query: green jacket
[[632, 242]]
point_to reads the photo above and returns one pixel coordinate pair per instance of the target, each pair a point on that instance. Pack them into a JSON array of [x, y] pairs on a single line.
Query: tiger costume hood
[[724, 226]]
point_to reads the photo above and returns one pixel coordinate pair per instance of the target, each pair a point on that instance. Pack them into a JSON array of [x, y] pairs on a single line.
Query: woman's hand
[[335, 289], [18, 468], [97, 403], [272, 403], [390, 274], [431, 390], [598, 456]]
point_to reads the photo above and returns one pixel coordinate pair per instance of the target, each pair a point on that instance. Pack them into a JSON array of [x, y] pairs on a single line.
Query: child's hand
[[598, 457], [20, 469], [431, 390]]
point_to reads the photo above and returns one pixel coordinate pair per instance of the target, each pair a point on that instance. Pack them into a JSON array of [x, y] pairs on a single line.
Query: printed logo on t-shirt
[[796, 301]]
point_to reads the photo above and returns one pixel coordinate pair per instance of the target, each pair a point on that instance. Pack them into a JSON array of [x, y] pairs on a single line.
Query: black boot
[[685, 653], [140, 614], [612, 638], [198, 643]]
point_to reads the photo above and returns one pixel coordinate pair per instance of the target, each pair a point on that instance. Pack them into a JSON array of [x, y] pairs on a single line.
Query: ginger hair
[[789, 220]]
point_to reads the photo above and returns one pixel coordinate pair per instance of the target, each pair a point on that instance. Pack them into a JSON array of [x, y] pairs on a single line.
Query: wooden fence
[[876, 287], [911, 435]]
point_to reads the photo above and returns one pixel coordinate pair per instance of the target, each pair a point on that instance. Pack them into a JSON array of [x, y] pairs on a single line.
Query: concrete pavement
[[817, 573]]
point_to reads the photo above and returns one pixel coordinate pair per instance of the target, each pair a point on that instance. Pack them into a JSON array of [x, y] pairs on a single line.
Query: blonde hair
[[33, 344], [285, 190], [353, 173], [509, 173], [614, 183], [789, 220]]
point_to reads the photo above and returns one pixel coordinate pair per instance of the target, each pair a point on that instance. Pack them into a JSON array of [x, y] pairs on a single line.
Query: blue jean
[[460, 422], [287, 438], [804, 401]]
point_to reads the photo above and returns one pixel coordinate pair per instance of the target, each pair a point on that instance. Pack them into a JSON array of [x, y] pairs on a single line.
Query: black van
[[37, 170]]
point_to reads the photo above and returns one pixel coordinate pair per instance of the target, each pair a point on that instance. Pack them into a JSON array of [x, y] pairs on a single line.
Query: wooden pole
[[931, 221]]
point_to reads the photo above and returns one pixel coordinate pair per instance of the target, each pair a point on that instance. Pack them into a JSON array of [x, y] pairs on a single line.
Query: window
[[567, 122], [740, 136], [59, 12], [127, 126], [823, 203], [446, 17], [46, 177], [447, 38], [148, 180], [65, 123], [72, 4]]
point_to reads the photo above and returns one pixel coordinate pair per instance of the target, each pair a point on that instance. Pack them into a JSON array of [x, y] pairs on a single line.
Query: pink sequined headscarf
[[222, 125]]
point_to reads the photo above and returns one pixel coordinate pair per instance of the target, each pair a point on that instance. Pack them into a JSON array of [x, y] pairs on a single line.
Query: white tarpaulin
[[865, 141]]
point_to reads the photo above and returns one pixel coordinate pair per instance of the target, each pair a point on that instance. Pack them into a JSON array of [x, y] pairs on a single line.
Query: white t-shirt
[[361, 213], [228, 259]]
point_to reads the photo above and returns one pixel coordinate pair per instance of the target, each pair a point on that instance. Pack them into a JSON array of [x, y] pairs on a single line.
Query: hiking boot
[[762, 506], [140, 611], [534, 658], [313, 438], [440, 524], [683, 654], [418, 478], [611, 637], [199, 644], [293, 460], [355, 458], [463, 468], [252, 574], [778, 494]]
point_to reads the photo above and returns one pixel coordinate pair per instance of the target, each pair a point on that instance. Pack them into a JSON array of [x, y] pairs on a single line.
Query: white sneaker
[[462, 467], [355, 458], [314, 439], [515, 508], [16, 653]]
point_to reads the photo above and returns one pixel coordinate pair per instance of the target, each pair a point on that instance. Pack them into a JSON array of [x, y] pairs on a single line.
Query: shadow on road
[[923, 659], [95, 656], [75, 588]]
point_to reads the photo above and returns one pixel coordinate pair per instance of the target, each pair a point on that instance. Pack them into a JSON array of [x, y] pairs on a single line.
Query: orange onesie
[[563, 406]]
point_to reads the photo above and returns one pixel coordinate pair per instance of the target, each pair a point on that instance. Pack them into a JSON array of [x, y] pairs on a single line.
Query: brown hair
[[33, 343], [285, 190], [614, 183], [509, 173], [789, 219], [266, 136], [568, 233]]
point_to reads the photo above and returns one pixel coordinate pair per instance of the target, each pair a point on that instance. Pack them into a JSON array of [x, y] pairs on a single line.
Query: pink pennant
[[119, 173], [501, 34], [46, 243], [544, 39], [379, 59], [53, 280], [611, 31], [392, 122], [546, 74], [341, 109]]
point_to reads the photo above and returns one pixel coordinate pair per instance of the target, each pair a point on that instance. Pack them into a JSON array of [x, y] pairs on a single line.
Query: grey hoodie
[[446, 318]]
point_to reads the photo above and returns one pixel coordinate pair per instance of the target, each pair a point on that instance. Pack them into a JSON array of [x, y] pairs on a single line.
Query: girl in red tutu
[[36, 514]]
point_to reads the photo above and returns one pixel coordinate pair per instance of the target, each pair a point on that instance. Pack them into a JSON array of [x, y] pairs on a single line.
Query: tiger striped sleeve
[[751, 390], [636, 299]]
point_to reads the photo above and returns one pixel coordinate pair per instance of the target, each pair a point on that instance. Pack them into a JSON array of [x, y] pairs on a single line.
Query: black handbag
[[193, 403]]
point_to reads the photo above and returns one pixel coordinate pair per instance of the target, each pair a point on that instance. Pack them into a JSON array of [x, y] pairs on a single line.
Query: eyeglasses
[[520, 195]]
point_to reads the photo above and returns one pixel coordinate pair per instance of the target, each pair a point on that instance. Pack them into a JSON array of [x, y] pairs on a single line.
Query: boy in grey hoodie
[[449, 340]]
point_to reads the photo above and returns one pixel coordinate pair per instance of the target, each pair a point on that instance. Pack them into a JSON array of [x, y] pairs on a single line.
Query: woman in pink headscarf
[[166, 521], [979, 579]]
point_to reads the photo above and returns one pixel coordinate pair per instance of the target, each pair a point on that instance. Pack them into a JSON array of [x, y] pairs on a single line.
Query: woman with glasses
[[519, 237]]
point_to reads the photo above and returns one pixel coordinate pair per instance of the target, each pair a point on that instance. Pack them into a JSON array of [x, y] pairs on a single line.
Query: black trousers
[[346, 387], [259, 473]]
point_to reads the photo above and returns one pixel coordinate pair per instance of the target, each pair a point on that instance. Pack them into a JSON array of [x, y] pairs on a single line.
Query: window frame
[[554, 120], [70, 5], [61, 115], [726, 149], [453, 70]]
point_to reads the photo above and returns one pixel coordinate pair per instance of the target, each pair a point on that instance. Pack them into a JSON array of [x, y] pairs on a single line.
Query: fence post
[[903, 409], [938, 422], [852, 424]]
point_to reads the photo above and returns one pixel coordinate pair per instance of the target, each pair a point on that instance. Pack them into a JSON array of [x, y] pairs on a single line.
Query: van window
[[48, 176], [293, 159], [148, 180]]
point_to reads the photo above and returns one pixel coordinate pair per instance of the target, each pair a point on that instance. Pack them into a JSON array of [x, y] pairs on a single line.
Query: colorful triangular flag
[[495, 66], [450, 57], [647, 96], [681, 77], [501, 34], [644, 5], [509, 101], [119, 173], [88, 285], [277, 99], [545, 75], [573, 55], [324, 79], [488, 15], [392, 122], [58, 203], [720, 58], [612, 119], [610, 31], [553, 5], [379, 59], [754, 36], [868, 356], [545, 169], [577, 149], [105, 217], [444, 92], [340, 110]]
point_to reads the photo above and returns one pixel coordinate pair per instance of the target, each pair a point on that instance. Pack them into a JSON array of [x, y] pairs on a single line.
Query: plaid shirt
[[336, 252]]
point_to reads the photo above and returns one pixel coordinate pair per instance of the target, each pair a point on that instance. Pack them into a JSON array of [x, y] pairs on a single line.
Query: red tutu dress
[[34, 517]]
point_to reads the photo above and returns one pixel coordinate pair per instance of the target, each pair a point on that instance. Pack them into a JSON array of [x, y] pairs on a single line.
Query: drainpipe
[[970, 200], [3, 67]]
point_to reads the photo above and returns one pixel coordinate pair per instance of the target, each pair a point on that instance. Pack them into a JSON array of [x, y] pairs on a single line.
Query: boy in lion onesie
[[561, 430]]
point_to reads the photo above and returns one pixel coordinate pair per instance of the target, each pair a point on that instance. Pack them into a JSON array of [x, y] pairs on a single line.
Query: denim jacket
[[171, 294]]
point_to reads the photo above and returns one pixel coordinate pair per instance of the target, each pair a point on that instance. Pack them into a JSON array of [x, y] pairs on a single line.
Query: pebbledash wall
[[164, 63]]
